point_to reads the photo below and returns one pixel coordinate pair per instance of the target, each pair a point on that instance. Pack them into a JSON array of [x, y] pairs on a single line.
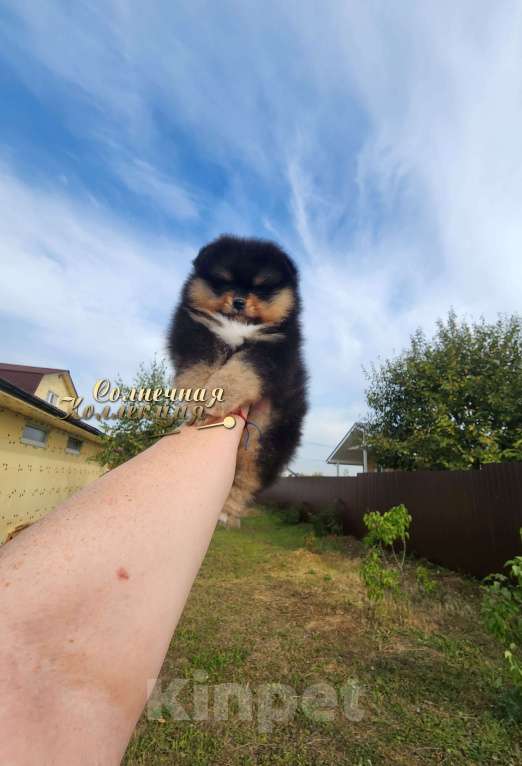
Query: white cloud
[[146, 181], [79, 288]]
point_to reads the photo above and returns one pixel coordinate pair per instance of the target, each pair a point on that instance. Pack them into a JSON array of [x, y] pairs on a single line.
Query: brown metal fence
[[465, 520]]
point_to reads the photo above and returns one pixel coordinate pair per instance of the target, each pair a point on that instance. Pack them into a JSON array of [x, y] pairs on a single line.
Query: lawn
[[416, 684]]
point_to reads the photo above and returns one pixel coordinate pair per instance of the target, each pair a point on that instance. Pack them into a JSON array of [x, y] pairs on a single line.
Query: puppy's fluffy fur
[[237, 327]]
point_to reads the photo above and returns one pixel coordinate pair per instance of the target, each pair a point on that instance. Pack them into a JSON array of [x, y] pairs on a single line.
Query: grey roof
[[349, 451]]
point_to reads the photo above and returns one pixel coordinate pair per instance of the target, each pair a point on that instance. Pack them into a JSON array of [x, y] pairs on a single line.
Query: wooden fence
[[465, 520]]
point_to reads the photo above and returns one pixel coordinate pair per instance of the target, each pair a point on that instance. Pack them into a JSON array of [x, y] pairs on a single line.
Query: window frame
[[74, 451], [34, 442], [52, 398]]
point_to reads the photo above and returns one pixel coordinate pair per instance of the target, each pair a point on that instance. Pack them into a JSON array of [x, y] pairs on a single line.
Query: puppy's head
[[249, 280]]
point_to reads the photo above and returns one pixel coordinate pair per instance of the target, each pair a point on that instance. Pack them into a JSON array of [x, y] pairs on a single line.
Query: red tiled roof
[[26, 378]]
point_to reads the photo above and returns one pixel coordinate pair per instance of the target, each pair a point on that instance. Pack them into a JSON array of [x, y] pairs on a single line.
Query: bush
[[382, 575], [327, 520], [389, 530], [378, 578], [289, 514], [424, 580], [502, 614]]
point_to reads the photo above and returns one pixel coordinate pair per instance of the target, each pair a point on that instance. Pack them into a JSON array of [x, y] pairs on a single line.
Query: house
[[353, 449], [44, 452], [46, 383]]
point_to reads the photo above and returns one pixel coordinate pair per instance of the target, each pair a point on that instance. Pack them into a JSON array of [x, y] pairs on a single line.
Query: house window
[[34, 435], [73, 445], [52, 398]]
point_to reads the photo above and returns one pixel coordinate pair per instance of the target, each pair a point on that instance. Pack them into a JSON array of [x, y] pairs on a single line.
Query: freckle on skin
[[122, 574]]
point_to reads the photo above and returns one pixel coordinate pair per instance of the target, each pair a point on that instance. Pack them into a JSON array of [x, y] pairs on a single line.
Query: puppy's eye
[[263, 289], [267, 280], [221, 275]]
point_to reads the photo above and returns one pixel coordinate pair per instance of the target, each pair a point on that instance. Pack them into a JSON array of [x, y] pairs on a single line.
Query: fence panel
[[465, 520]]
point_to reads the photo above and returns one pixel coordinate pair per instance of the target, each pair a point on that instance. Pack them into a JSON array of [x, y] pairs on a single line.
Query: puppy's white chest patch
[[232, 332], [235, 333]]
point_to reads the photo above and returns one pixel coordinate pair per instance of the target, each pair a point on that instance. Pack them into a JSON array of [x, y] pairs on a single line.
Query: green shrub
[[289, 514], [327, 520], [378, 578], [502, 614], [424, 580], [387, 532]]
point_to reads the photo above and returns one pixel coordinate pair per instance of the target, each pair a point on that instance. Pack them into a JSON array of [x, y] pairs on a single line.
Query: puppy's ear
[[201, 260], [290, 266]]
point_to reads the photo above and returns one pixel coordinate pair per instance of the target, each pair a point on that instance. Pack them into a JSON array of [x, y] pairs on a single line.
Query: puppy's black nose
[[238, 303]]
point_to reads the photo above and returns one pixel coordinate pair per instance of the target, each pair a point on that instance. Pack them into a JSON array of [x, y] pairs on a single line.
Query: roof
[[19, 393], [25, 377], [349, 451]]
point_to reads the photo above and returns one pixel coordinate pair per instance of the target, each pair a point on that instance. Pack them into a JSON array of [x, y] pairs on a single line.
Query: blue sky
[[378, 142]]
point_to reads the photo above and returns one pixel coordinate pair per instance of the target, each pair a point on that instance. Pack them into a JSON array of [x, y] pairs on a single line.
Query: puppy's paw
[[236, 506], [229, 522], [224, 408], [195, 377], [240, 383]]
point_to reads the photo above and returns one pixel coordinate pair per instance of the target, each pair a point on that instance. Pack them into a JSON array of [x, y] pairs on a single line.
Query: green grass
[[274, 605]]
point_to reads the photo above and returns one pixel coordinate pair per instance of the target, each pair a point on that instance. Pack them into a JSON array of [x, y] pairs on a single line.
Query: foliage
[[389, 530], [378, 578], [289, 514], [127, 436], [382, 568], [327, 520], [425, 582], [452, 402], [502, 613], [386, 531]]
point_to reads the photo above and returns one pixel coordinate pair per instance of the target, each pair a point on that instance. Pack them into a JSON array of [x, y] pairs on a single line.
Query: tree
[[130, 434], [453, 402]]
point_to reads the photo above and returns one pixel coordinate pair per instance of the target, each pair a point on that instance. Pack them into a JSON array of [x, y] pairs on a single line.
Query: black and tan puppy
[[237, 328]]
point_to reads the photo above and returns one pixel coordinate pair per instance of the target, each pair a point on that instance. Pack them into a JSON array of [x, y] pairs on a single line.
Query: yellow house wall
[[58, 384], [33, 480]]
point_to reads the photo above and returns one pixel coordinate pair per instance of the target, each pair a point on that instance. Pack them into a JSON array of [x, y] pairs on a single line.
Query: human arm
[[91, 594]]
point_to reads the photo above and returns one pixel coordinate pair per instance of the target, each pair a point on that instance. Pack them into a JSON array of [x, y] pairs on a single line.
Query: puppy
[[237, 328]]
